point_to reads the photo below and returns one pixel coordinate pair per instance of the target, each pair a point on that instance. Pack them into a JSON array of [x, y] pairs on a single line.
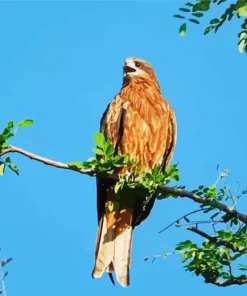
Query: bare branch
[[203, 200], [230, 282], [47, 161], [214, 239]]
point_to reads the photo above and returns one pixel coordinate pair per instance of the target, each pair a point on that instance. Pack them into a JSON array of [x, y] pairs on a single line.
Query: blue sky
[[61, 65]]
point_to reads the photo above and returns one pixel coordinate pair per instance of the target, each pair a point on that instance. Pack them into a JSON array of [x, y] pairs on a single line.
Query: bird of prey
[[140, 124]]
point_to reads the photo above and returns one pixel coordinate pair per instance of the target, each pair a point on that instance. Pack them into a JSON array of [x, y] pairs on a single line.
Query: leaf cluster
[[108, 163], [218, 258], [10, 131], [213, 259], [193, 11]]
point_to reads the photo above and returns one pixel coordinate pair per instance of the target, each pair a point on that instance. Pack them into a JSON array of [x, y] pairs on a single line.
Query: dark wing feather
[[103, 184]]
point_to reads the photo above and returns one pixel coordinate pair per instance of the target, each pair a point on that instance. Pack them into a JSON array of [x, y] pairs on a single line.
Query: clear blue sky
[[61, 65]]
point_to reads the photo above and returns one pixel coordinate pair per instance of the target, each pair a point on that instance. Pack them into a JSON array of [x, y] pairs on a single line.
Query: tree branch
[[233, 281], [203, 200], [213, 239], [47, 161], [170, 190]]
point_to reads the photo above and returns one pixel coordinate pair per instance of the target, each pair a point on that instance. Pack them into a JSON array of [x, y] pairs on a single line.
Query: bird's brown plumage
[[142, 125]]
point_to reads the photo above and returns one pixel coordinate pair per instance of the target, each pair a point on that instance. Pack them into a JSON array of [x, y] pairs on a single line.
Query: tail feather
[[114, 239], [123, 243], [104, 245]]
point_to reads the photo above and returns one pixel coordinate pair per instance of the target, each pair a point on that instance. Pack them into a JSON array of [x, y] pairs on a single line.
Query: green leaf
[[99, 139], [5, 261], [75, 164], [25, 123], [189, 4], [184, 9], [8, 160], [202, 6], [2, 168], [182, 29], [98, 151], [3, 145], [214, 215], [235, 257], [225, 275], [186, 219], [242, 11], [194, 21], [14, 168], [212, 188], [179, 16], [214, 21], [244, 25], [221, 1], [117, 187], [109, 151], [242, 267], [208, 29], [2, 139], [197, 14], [11, 124], [243, 40]]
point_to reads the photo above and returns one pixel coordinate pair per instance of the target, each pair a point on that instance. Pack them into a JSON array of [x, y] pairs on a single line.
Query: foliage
[[219, 259], [107, 163], [193, 11], [10, 131]]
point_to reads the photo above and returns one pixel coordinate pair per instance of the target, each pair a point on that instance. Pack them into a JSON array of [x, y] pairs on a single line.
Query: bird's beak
[[128, 69]]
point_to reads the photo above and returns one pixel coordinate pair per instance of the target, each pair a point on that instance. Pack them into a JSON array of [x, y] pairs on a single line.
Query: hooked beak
[[128, 69]]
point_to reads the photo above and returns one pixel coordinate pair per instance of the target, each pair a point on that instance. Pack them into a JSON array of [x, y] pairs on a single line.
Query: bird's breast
[[136, 122]]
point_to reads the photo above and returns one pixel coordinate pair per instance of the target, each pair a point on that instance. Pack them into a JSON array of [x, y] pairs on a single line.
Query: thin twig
[[170, 225], [214, 239], [3, 288]]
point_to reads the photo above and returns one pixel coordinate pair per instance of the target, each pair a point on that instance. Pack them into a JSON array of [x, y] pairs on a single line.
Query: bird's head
[[135, 67]]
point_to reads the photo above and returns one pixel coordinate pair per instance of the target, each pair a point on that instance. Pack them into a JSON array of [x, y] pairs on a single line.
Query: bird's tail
[[114, 240]]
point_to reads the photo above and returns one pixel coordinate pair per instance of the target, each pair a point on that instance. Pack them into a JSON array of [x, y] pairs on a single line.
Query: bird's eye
[[137, 64]]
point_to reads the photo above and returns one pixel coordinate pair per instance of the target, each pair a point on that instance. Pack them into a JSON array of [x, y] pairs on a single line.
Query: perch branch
[[47, 161], [175, 191]]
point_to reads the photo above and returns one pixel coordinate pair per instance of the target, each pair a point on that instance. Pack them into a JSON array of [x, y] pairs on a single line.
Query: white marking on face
[[131, 63]]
